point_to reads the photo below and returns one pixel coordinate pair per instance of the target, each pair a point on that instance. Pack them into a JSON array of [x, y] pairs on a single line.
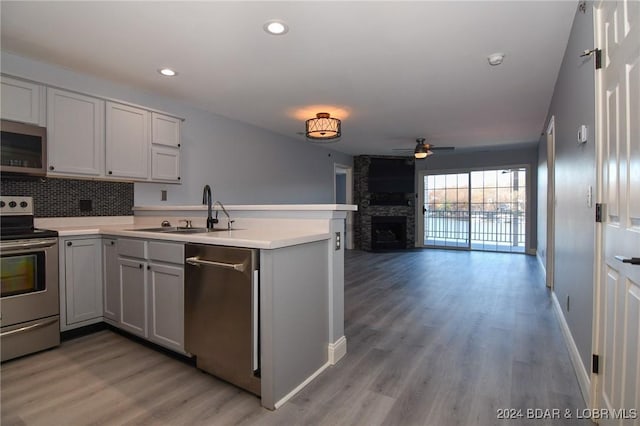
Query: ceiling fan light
[[323, 128], [422, 150]]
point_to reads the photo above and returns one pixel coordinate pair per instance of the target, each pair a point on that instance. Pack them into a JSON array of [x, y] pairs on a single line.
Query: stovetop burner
[[16, 220]]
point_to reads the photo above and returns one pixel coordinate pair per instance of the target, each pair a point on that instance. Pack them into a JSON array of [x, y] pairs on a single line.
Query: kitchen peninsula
[[301, 275]]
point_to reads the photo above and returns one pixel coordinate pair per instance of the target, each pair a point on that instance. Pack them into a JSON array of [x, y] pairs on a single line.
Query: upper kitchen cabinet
[[75, 133], [22, 101], [165, 130], [127, 141], [165, 148]]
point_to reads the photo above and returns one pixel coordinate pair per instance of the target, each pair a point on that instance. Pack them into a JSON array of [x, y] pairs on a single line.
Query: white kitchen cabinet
[[111, 279], [166, 305], [165, 130], [22, 101], [165, 148], [75, 134], [80, 282], [133, 296], [165, 163], [151, 277], [128, 133]]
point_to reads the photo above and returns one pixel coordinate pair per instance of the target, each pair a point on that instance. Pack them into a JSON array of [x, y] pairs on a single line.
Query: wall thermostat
[[583, 134]]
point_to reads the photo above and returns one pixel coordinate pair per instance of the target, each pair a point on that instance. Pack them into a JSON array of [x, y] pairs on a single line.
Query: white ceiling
[[392, 71]]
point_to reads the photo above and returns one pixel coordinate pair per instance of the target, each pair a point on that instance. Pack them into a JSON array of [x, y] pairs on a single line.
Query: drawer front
[[166, 252], [132, 248]]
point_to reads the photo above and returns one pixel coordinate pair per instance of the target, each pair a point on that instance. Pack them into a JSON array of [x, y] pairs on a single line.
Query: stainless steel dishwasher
[[222, 312]]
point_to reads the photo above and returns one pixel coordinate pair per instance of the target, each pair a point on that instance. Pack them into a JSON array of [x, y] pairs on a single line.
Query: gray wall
[[242, 163], [573, 104], [526, 155]]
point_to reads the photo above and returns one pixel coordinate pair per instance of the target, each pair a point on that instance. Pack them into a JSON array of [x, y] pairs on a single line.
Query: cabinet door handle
[[148, 268], [113, 243], [51, 168], [69, 244], [110, 172], [140, 266]]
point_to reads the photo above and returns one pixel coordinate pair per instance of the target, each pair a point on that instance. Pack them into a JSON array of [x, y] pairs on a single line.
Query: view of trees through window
[[481, 210]]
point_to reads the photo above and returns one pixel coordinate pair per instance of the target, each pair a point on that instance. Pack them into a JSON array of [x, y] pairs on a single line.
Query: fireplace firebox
[[388, 232]]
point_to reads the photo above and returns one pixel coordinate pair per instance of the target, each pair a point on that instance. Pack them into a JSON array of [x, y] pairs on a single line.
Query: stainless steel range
[[30, 307]]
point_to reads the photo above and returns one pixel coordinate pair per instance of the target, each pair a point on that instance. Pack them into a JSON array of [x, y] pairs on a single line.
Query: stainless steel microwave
[[23, 149]]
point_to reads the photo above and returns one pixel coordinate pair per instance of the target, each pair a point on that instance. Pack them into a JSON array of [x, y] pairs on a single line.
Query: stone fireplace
[[376, 206]]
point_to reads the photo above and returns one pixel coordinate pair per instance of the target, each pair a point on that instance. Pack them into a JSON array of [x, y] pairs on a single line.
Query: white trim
[[337, 350], [574, 355], [298, 388]]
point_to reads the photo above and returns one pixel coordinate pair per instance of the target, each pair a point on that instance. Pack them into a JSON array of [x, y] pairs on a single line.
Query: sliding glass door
[[446, 210], [479, 210]]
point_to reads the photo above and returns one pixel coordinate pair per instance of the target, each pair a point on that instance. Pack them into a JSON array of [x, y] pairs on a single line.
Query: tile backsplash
[[58, 197]]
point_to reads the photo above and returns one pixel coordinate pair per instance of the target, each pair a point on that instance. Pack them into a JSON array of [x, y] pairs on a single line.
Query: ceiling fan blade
[[442, 148]]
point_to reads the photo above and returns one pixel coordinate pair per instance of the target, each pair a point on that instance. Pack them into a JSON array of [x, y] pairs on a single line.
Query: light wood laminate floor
[[434, 338]]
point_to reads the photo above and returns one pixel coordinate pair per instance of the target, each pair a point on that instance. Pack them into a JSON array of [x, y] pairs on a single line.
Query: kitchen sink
[[161, 229], [179, 230], [190, 231]]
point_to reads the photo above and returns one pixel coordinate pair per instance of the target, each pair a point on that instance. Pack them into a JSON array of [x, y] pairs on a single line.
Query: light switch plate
[[583, 134]]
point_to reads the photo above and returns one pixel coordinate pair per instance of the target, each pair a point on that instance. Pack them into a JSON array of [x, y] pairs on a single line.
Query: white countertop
[[265, 238], [255, 207]]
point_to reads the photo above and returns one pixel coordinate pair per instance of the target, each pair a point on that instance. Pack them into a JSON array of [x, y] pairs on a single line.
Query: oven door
[[29, 280]]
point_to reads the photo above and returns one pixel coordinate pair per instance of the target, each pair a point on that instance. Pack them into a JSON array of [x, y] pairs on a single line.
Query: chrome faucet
[[229, 221], [207, 199]]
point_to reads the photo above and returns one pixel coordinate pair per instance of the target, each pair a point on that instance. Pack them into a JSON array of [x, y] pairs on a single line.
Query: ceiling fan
[[423, 149]]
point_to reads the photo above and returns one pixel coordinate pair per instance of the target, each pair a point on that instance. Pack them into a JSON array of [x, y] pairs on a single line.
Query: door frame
[[348, 171], [551, 203]]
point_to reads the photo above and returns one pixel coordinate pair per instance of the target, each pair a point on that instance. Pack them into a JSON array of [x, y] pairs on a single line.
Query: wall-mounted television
[[391, 175]]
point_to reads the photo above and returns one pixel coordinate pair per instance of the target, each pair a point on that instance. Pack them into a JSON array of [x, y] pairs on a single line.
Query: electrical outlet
[[338, 242], [163, 195]]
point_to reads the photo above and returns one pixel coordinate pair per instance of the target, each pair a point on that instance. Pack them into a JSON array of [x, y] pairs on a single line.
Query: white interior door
[[618, 119], [343, 194]]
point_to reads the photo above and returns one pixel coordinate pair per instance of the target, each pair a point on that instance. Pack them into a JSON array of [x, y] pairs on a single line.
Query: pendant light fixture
[[323, 128]]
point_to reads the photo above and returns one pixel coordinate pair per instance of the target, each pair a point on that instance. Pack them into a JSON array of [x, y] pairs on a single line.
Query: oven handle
[[28, 245], [28, 327]]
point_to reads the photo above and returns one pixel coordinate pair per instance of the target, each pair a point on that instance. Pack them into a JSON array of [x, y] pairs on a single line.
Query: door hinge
[[595, 364], [597, 53], [599, 212]]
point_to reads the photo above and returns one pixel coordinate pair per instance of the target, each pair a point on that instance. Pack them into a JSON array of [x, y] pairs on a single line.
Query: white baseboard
[[298, 388], [337, 350], [581, 372], [542, 265]]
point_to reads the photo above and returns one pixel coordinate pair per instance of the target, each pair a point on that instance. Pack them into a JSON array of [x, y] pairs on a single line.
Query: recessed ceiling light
[[495, 59], [275, 27], [168, 72]]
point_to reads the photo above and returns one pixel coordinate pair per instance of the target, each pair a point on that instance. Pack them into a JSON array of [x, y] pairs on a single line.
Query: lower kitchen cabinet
[[133, 296], [166, 305], [80, 282], [144, 291], [111, 279]]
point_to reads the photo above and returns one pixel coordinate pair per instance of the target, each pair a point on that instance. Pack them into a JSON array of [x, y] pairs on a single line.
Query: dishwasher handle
[[199, 262]]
